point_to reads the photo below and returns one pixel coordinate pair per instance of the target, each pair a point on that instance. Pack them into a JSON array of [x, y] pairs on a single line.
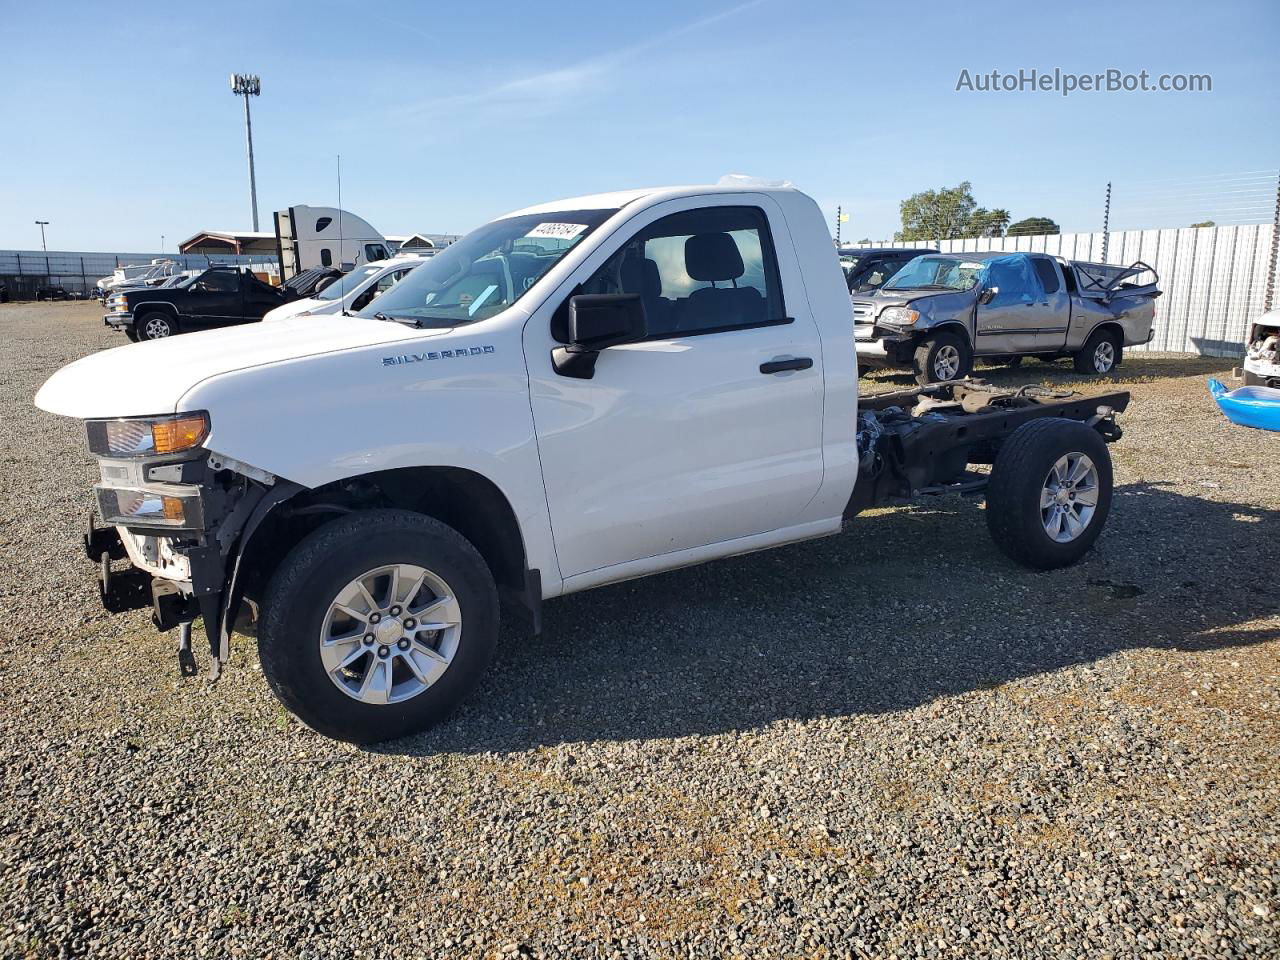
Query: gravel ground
[[888, 743]]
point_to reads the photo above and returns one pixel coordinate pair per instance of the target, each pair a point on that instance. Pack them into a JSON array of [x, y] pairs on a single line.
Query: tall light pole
[[43, 224], [248, 85]]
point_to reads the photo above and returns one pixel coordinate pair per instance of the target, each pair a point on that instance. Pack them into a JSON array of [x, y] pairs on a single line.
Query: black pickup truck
[[219, 297]]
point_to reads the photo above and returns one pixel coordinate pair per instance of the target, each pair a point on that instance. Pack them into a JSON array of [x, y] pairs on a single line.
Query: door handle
[[782, 366]]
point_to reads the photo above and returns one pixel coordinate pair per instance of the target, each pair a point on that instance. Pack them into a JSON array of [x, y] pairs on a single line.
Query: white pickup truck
[[574, 394]]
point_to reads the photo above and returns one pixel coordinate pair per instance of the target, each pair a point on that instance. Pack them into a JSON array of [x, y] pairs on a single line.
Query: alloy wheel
[[946, 362], [1069, 497], [390, 634]]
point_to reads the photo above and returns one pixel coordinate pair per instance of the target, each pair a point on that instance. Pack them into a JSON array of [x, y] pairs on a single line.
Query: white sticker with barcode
[[557, 231]]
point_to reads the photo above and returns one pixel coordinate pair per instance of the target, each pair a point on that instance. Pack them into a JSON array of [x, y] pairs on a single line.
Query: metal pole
[[1275, 248], [249, 85], [1106, 223], [253, 186], [838, 216]]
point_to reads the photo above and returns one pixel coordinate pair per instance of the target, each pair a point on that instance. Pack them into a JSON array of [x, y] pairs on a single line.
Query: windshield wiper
[[407, 321]]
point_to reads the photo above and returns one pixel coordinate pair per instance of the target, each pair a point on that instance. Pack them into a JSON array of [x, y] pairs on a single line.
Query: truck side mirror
[[987, 295], [598, 321], [327, 281]]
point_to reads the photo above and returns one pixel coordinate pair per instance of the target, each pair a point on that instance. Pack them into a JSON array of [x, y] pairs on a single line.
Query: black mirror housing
[[987, 295], [601, 320], [598, 321]]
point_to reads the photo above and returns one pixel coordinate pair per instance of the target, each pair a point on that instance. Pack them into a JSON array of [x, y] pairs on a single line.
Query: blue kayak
[[1249, 406]]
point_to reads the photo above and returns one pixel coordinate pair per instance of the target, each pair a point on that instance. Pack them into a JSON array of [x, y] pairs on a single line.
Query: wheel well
[[950, 326], [142, 309], [466, 501], [1112, 325]]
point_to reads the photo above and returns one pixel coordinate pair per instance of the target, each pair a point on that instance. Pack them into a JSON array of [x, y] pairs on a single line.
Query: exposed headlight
[[899, 316], [172, 506], [147, 436]]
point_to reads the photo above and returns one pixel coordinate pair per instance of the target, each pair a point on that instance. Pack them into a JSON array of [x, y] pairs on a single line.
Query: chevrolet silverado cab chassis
[[572, 395]]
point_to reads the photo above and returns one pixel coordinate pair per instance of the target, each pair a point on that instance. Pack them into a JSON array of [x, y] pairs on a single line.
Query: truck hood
[[292, 309], [142, 379], [867, 307]]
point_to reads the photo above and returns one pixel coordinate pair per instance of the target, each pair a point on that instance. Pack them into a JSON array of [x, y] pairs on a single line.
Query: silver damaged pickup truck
[[943, 310]]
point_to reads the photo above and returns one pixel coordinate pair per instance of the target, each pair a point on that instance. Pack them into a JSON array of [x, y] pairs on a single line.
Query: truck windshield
[[936, 273], [487, 270], [344, 285]]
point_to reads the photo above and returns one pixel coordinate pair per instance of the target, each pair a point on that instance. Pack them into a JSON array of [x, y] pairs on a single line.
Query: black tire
[[1092, 358], [1014, 514], [131, 333], [148, 326], [311, 577], [930, 353]]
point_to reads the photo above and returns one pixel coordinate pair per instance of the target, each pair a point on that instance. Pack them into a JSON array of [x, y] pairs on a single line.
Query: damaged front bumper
[[880, 345], [179, 525]]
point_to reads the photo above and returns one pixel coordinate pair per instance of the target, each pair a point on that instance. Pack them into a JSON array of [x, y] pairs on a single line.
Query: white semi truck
[[574, 394], [309, 238]]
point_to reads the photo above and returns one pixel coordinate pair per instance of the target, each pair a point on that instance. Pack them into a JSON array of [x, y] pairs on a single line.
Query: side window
[[374, 251], [700, 271], [219, 281], [1016, 279], [326, 257], [389, 281], [881, 271], [1047, 273]]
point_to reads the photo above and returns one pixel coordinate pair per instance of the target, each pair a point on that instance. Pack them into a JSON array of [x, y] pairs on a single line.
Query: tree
[[988, 223], [1206, 223], [1033, 226], [937, 214]]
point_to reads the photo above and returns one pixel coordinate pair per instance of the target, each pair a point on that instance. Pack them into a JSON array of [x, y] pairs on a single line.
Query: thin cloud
[[550, 90]]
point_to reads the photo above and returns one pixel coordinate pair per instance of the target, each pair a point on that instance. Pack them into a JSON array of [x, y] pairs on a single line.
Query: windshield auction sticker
[[557, 231]]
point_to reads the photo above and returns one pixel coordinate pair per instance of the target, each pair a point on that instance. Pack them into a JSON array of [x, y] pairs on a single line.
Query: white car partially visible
[[352, 292]]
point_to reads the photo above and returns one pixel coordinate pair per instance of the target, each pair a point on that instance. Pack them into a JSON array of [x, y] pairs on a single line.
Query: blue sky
[[119, 125]]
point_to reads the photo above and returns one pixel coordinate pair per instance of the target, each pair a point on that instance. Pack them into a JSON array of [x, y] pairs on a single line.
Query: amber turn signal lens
[[178, 433]]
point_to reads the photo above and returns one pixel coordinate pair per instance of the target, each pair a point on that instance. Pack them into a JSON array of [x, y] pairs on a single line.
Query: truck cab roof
[[618, 199]]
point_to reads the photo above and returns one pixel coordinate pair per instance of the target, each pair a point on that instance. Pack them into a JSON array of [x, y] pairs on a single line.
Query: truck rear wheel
[[1100, 353], [1050, 493], [155, 326], [378, 625], [942, 357]]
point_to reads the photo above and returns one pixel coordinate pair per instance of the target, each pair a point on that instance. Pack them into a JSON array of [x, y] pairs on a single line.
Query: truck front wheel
[[156, 326], [1050, 493], [378, 625], [942, 357]]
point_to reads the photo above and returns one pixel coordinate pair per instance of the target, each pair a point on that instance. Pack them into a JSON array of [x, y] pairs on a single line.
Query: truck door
[[1053, 313], [693, 436], [214, 299], [1008, 323]]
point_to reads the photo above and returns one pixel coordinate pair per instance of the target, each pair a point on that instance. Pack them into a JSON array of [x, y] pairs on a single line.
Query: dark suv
[[219, 297], [867, 268]]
